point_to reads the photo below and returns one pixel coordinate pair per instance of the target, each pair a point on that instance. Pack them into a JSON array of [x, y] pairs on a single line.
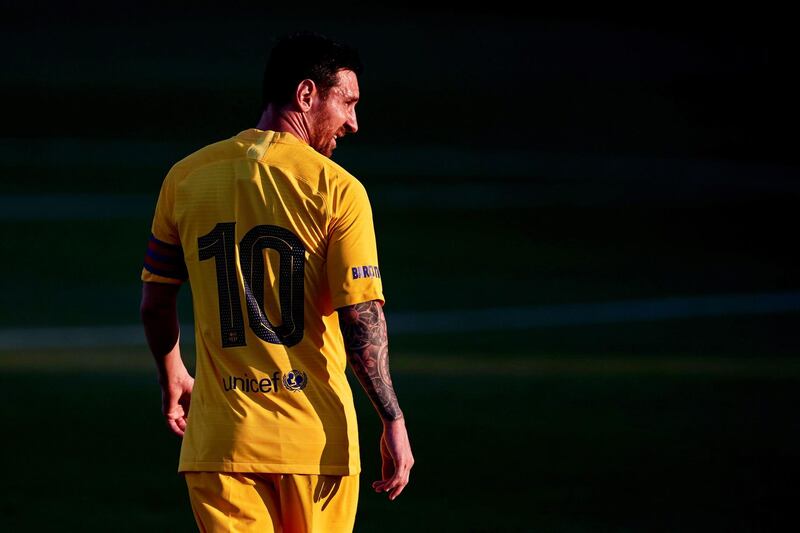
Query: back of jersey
[[274, 237]]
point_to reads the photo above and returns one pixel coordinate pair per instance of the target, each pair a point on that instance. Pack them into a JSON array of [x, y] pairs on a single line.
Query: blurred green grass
[[674, 425], [515, 443]]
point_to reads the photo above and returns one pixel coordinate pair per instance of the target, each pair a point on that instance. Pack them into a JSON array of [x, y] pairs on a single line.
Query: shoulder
[[341, 179], [345, 190], [325, 175], [213, 153]]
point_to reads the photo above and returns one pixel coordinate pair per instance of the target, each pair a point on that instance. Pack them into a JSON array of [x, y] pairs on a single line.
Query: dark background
[[517, 160]]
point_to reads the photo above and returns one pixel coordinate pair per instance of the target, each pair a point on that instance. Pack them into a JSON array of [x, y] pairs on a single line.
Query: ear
[[305, 94]]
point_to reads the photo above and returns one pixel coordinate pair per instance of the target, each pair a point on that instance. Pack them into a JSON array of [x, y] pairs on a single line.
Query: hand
[[396, 457], [176, 395]]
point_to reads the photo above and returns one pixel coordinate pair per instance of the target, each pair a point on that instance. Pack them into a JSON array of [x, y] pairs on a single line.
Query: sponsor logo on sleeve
[[366, 271]]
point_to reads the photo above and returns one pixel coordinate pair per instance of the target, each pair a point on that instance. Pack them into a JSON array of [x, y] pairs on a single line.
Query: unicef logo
[[295, 380]]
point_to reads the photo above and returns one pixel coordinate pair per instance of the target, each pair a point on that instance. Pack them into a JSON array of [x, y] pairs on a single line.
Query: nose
[[351, 124]]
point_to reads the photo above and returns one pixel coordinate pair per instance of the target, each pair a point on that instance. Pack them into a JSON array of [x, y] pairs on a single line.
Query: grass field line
[[138, 360], [532, 366], [651, 309], [458, 321]]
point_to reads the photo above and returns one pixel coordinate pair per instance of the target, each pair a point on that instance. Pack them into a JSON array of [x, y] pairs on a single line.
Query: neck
[[290, 121]]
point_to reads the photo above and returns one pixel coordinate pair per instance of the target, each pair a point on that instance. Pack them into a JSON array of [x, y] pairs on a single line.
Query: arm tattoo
[[364, 331]]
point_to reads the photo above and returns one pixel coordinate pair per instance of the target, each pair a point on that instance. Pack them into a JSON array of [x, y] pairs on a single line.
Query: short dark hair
[[305, 55]]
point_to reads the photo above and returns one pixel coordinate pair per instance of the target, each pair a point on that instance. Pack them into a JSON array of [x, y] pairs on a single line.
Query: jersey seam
[[328, 210], [260, 160]]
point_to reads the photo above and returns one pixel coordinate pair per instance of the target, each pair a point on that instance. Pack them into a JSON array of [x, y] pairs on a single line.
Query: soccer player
[[278, 244]]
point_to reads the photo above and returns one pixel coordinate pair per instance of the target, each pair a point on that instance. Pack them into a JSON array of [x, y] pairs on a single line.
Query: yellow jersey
[[273, 238]]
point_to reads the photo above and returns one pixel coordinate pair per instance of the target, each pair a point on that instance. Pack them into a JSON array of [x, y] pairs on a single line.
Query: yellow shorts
[[287, 503]]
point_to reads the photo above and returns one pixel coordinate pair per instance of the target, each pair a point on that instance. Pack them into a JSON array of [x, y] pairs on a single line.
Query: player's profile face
[[332, 117]]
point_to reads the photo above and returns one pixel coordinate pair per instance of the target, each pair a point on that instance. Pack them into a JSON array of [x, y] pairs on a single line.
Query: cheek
[[339, 117]]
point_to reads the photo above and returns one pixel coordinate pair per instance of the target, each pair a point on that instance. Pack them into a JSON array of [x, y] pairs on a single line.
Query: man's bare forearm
[[160, 319], [364, 330]]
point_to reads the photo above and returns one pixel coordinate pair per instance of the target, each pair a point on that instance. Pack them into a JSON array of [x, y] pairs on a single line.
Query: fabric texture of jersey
[[274, 237]]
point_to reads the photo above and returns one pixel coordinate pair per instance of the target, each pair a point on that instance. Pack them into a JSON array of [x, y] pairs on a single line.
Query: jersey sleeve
[[352, 262], [163, 260]]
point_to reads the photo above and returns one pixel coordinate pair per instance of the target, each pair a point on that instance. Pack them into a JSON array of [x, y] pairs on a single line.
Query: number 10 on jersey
[[219, 244]]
